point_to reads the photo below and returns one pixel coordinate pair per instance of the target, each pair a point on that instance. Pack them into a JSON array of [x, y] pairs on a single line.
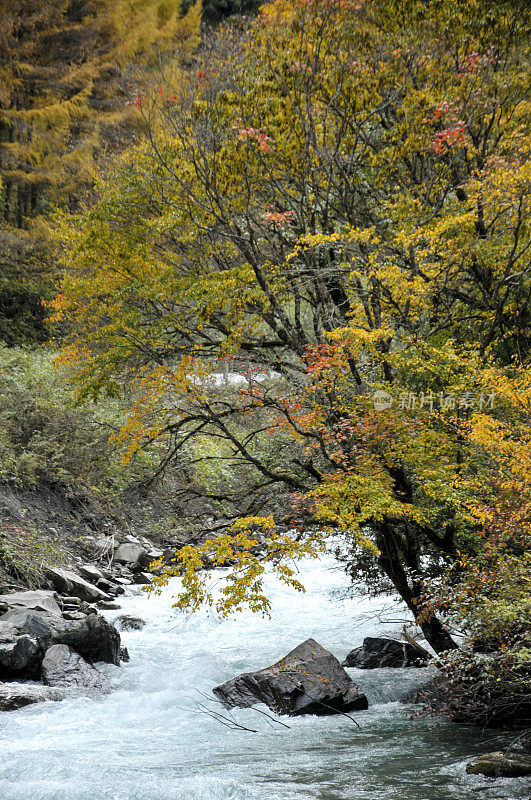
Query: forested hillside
[[65, 74]]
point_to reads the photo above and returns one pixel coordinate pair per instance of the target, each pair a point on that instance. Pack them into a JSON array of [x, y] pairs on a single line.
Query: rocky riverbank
[[51, 638]]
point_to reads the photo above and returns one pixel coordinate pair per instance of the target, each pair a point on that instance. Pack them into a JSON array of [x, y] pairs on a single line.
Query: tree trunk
[[436, 634], [390, 562]]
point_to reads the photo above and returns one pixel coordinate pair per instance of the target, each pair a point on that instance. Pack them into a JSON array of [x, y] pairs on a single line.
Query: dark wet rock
[[105, 585], [129, 623], [64, 668], [18, 695], [34, 600], [142, 578], [19, 657], [124, 655], [65, 581], [309, 680], [378, 652], [91, 636], [109, 606], [501, 765]]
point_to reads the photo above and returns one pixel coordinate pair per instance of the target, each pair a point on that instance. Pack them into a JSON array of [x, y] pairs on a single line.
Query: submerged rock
[[501, 765], [17, 695], [309, 680], [65, 668], [378, 652], [127, 622]]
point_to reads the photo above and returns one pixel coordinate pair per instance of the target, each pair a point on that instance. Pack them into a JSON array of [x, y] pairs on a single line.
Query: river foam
[[149, 739]]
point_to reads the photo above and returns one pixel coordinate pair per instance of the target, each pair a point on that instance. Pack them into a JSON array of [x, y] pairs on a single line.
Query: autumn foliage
[[341, 204]]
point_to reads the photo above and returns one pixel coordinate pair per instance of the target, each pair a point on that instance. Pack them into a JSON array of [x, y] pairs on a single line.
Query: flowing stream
[[148, 740]]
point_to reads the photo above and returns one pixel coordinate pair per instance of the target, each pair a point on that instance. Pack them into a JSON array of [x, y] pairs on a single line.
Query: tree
[[63, 93], [346, 204]]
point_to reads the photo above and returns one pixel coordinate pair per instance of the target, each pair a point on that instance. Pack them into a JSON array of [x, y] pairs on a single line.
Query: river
[[149, 740]]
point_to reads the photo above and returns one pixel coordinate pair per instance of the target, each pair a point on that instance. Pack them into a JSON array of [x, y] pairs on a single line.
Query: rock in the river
[[127, 622], [66, 581], [309, 680], [501, 765], [37, 600], [17, 695], [92, 636], [64, 668], [124, 655], [377, 652]]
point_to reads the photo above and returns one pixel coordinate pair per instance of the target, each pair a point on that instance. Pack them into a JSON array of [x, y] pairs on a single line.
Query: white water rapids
[[148, 741]]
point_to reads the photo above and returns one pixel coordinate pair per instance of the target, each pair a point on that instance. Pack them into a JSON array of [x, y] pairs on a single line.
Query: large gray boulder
[[67, 582], [18, 695], [501, 765], [130, 553], [18, 622], [36, 601], [378, 652], [91, 636], [309, 680], [91, 573], [64, 668]]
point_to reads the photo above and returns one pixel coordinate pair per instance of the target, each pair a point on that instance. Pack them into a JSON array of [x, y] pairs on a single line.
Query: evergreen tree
[[63, 93]]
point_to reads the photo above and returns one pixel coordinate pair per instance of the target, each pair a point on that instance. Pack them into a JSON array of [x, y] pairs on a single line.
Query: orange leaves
[[326, 356], [279, 218], [449, 138]]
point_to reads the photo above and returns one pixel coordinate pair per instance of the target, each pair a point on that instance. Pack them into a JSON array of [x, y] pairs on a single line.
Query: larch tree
[[63, 95]]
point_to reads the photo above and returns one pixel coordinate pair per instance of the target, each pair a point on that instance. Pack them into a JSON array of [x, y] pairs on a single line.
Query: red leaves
[[323, 356], [137, 101], [265, 143], [449, 138]]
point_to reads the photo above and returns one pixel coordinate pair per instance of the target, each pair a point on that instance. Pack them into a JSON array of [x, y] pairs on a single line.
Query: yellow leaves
[[266, 524], [247, 555]]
